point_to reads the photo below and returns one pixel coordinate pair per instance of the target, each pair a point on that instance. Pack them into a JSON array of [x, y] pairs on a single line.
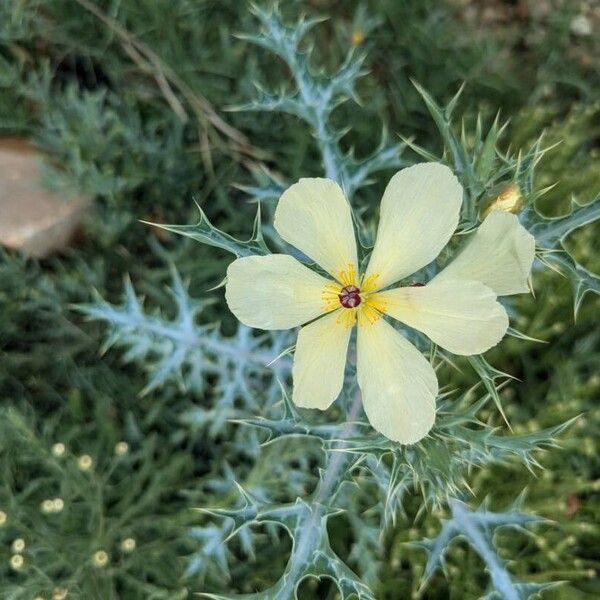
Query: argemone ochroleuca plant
[[457, 309]]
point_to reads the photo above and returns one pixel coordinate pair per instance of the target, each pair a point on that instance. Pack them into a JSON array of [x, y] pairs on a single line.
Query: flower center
[[350, 296]]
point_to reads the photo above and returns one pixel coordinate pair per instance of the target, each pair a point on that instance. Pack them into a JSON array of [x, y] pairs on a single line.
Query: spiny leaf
[[478, 527], [488, 376], [315, 98], [181, 350], [206, 233], [551, 232], [582, 281]]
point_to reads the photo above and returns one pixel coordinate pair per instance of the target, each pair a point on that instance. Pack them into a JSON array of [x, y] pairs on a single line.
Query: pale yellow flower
[[457, 309]]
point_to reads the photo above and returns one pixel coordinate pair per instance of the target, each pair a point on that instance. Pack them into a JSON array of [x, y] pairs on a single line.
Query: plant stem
[[309, 534]]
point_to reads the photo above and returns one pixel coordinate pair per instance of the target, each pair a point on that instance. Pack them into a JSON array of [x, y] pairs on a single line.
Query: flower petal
[[320, 361], [274, 291], [463, 317], [419, 213], [499, 254], [314, 216], [398, 384]]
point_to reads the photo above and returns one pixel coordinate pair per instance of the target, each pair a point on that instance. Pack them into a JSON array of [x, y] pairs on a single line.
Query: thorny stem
[[309, 537], [498, 573], [319, 120], [329, 479], [194, 340]]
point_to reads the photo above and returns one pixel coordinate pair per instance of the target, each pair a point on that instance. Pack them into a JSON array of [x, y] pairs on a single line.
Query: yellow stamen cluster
[[372, 306], [348, 276], [331, 296], [377, 303], [369, 284], [347, 317], [369, 314]]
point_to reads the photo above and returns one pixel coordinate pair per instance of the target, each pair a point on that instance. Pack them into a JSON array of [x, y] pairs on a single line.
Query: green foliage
[[571, 163], [316, 96], [478, 527], [181, 352], [53, 496], [479, 165]]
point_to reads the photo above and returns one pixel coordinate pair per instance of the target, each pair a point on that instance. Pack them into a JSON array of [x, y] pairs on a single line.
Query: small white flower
[[128, 545], [457, 309], [121, 448], [85, 462], [59, 449], [16, 562], [100, 559]]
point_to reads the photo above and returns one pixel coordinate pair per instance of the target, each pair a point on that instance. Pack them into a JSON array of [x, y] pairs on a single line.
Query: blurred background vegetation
[[118, 94]]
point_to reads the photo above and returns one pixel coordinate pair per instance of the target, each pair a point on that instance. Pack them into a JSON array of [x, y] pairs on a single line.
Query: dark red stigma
[[417, 284], [350, 296]]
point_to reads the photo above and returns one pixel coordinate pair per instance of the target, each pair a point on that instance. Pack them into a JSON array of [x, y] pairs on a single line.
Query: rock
[[33, 219]]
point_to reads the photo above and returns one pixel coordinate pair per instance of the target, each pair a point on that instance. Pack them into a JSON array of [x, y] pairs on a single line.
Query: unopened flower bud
[[507, 198], [358, 37]]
